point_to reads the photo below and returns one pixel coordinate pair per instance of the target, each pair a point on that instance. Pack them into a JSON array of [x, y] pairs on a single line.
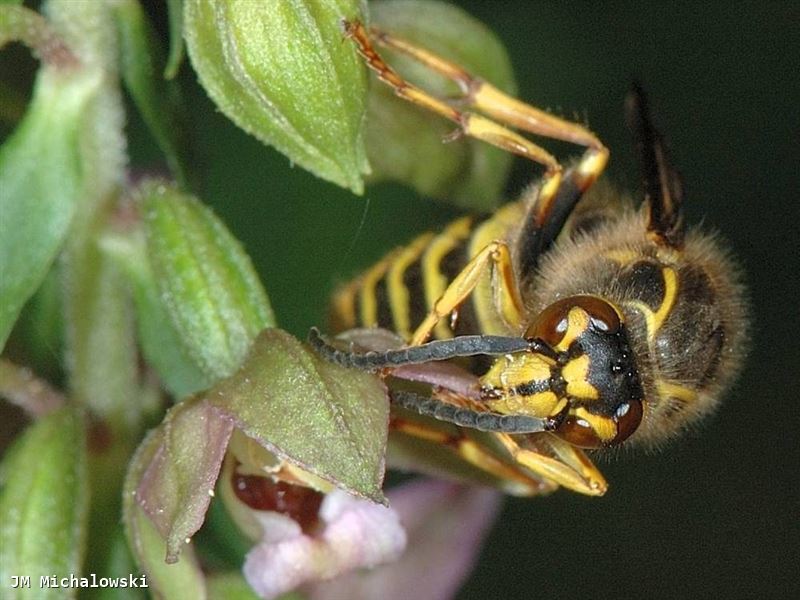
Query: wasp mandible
[[569, 319]]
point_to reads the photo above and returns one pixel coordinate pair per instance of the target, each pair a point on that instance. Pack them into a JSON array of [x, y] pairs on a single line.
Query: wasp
[[567, 320]]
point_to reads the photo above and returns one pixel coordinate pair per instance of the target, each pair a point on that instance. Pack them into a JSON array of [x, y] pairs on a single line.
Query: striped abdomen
[[397, 292]]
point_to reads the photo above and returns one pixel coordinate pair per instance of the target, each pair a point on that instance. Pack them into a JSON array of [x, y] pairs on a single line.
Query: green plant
[[130, 295]]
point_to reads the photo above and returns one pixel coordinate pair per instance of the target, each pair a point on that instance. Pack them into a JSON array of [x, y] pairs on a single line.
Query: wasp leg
[[662, 183], [471, 124], [555, 199], [517, 482], [550, 211], [507, 295], [487, 98], [557, 461]]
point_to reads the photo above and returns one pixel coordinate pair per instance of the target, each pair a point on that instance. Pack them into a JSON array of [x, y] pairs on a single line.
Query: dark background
[[716, 513]]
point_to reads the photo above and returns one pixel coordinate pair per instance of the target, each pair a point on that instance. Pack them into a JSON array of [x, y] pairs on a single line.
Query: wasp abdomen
[[398, 292]]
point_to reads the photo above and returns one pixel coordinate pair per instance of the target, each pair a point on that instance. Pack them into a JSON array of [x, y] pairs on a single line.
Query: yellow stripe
[[670, 294], [603, 427], [344, 305], [399, 298], [369, 303], [576, 373], [496, 228], [675, 390], [540, 404], [577, 324], [623, 256], [654, 320], [434, 281]]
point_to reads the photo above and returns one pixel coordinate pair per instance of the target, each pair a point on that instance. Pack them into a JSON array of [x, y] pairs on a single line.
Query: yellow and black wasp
[[568, 319]]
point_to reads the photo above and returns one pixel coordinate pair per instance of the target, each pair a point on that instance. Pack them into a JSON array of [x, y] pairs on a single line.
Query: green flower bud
[[183, 579], [326, 419], [159, 339], [405, 142], [43, 503], [207, 283], [281, 72]]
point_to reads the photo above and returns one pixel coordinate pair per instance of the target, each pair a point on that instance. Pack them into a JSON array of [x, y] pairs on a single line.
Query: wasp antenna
[[663, 186], [371, 360], [467, 417]]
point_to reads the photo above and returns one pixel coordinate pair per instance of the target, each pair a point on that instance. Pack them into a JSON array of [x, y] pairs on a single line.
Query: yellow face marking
[[517, 369], [577, 323], [604, 427], [540, 404], [496, 228], [434, 281], [399, 299], [575, 373], [369, 303]]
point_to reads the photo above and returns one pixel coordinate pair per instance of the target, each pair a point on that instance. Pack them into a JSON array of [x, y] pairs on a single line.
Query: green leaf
[[43, 503], [405, 142], [41, 177], [329, 420], [37, 339], [208, 285], [281, 72], [183, 579], [141, 65], [175, 58]]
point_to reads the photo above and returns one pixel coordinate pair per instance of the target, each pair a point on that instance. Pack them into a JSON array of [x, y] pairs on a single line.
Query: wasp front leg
[[438, 448], [555, 460], [524, 465], [495, 255]]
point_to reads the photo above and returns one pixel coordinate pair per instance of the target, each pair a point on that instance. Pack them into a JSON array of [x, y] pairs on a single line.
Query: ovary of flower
[[356, 533]]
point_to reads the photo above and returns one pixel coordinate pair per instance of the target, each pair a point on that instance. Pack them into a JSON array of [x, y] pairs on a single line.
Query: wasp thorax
[[585, 377]]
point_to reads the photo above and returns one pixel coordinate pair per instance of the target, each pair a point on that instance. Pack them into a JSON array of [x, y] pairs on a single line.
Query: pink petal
[[446, 525], [357, 533]]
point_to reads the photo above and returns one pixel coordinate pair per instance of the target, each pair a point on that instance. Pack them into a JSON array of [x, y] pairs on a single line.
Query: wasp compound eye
[[569, 317], [586, 430]]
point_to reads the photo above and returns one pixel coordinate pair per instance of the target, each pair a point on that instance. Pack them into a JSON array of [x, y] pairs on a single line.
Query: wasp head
[[580, 372]]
